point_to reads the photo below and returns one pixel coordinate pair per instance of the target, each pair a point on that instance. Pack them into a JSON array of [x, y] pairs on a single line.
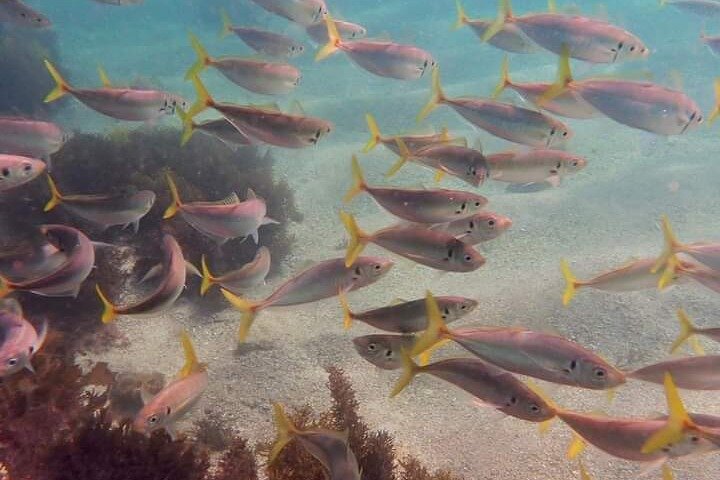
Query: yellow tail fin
[[437, 96], [192, 364], [248, 309], [576, 447], [504, 12], [716, 109], [358, 185], [226, 28], [357, 241], [584, 474], [109, 313], [462, 17], [188, 126], [207, 277], [285, 431], [667, 473], [56, 198], [203, 59], [176, 202], [203, 101], [375, 135], [687, 332], [677, 424], [563, 79], [404, 157], [334, 40], [347, 313], [410, 369], [670, 247], [571, 282], [104, 79], [5, 287], [670, 272], [504, 78], [552, 6], [61, 86], [435, 327]]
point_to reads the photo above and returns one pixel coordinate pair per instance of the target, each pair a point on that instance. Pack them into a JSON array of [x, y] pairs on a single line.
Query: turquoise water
[[597, 219]]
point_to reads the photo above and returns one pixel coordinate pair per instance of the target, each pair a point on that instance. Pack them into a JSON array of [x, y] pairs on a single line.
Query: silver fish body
[[318, 31], [224, 131], [20, 340], [303, 12], [466, 164], [427, 206], [249, 275], [479, 228], [388, 59], [692, 373], [411, 316], [18, 13], [268, 43], [383, 350], [268, 78], [130, 104], [30, 138], [534, 166], [109, 210]]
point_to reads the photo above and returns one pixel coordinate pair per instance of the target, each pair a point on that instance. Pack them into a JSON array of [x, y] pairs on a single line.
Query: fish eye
[[372, 347], [632, 48], [699, 118], [358, 271], [446, 311], [694, 439], [574, 163], [12, 362], [599, 372], [27, 167], [559, 165], [620, 45], [23, 14], [471, 225], [573, 365], [565, 134], [292, 48], [318, 133], [425, 64], [552, 131], [491, 222], [512, 401], [477, 204], [153, 420], [467, 258], [534, 408], [5, 172], [450, 254], [378, 266], [463, 307], [168, 410], [388, 353]]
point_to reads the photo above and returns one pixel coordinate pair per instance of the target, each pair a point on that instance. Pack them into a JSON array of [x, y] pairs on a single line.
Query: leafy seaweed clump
[[24, 81]]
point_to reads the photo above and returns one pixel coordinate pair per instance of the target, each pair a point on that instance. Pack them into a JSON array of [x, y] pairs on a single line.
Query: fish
[[249, 275], [319, 33], [67, 279], [129, 104], [534, 166], [262, 41], [641, 105], [479, 228], [104, 210], [172, 272], [258, 76], [39, 261], [632, 276], [567, 104], [329, 447], [383, 350], [491, 385], [412, 142], [417, 205], [504, 120], [177, 398], [587, 39], [435, 249], [323, 280], [303, 12], [705, 8], [30, 138], [534, 354], [18, 13], [408, 316], [691, 373], [466, 164], [707, 253], [267, 125], [20, 340], [222, 220], [712, 41], [509, 38], [688, 331], [381, 58], [220, 129], [17, 170], [681, 426]]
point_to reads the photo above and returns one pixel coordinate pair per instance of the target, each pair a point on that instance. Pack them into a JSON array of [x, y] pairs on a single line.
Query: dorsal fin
[[104, 77], [296, 108], [251, 194], [270, 107]]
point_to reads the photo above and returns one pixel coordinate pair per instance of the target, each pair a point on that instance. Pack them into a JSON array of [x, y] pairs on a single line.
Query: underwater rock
[[24, 82]]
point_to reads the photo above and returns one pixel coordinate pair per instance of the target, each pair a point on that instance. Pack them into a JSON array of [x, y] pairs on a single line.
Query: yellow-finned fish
[[329, 447], [323, 280], [535, 354], [21, 341], [588, 39], [17, 170], [267, 125], [130, 104], [504, 120], [412, 142], [104, 210], [18, 13], [383, 350], [303, 12], [688, 331], [177, 398], [432, 248], [509, 38], [249, 275], [479, 228], [219, 128], [539, 165], [417, 205], [691, 373], [263, 41], [259, 76], [31, 138], [707, 253], [319, 33], [382, 58]]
